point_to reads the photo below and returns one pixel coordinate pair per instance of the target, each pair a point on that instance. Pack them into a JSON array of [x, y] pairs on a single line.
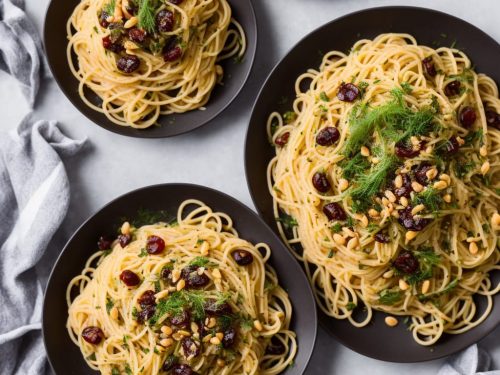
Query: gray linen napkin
[[34, 198], [20, 48], [472, 360]]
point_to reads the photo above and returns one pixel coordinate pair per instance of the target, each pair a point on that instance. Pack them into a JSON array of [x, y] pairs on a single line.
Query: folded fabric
[[472, 360], [20, 48], [34, 196]]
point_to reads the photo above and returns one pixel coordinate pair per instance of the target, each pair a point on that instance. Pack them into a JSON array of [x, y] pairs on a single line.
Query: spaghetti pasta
[[187, 296], [386, 184], [146, 58]]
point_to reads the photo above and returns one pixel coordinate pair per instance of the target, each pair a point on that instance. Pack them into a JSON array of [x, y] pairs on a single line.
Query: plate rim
[[322, 317], [142, 133], [200, 188]]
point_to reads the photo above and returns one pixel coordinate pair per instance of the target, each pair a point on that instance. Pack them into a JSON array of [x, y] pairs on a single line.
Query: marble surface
[[213, 155]]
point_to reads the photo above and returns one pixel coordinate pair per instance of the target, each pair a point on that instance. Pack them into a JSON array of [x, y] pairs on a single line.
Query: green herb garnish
[[109, 8], [324, 97], [351, 306], [430, 198], [452, 285], [288, 221], [146, 15], [143, 253], [289, 117], [389, 297], [109, 304], [407, 88]]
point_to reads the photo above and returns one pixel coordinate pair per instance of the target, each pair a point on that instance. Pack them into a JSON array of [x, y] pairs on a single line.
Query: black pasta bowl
[[429, 27], [235, 75], [167, 197]]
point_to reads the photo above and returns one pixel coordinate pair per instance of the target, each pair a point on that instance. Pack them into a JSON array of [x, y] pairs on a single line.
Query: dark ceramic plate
[[429, 27], [235, 74], [168, 197]]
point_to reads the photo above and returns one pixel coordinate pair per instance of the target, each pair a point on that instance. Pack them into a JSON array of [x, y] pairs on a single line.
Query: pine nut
[[200, 271], [483, 151], [390, 195], [219, 335], [258, 325], [429, 150], [194, 327], [404, 201], [166, 342], [447, 198], [207, 338], [495, 220], [446, 178], [216, 273], [403, 285], [440, 185], [425, 286], [388, 274], [473, 249], [181, 284], [391, 321], [365, 151], [417, 187], [375, 160], [398, 181], [176, 274], [460, 141], [410, 235], [339, 240], [221, 362], [353, 242], [348, 232], [131, 23], [343, 184], [184, 333], [177, 336], [414, 141], [473, 239], [160, 295], [431, 173], [204, 248], [373, 213], [395, 214], [364, 221], [110, 19], [211, 323], [385, 201], [417, 209], [113, 313], [125, 229], [215, 341], [485, 167], [166, 330]]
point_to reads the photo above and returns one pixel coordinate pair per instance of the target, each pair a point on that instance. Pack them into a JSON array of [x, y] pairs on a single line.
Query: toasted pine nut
[[258, 325], [391, 321], [440, 185], [460, 141], [485, 167], [219, 335], [414, 141], [207, 338], [131, 23], [404, 201], [125, 229], [343, 184], [388, 274], [110, 19], [483, 151], [194, 327], [184, 333], [446, 178], [385, 201], [431, 173], [403, 285], [395, 214], [473, 249], [373, 213], [447, 198], [495, 220], [339, 240], [417, 209], [353, 242], [221, 362], [166, 342], [177, 336], [176, 274], [204, 248], [364, 221], [211, 323], [425, 286], [398, 181], [166, 330], [390, 195], [375, 160], [417, 187], [410, 235], [113, 313], [365, 151], [429, 150], [473, 239], [216, 273], [348, 232], [200, 271], [181, 284], [215, 341]]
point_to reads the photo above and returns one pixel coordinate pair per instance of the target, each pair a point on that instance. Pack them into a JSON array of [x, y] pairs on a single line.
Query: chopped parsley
[[146, 15], [452, 285], [289, 117], [143, 253], [430, 198], [351, 306], [109, 304], [288, 221], [324, 97], [407, 88], [389, 297]]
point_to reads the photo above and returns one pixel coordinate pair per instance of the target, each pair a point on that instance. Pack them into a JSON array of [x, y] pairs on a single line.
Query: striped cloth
[[34, 197]]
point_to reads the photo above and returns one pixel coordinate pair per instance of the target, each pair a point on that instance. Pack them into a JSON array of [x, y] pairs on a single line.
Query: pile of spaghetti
[[386, 184], [144, 58], [189, 297]]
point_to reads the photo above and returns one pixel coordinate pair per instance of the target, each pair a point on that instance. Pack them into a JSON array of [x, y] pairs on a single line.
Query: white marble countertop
[[213, 155]]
